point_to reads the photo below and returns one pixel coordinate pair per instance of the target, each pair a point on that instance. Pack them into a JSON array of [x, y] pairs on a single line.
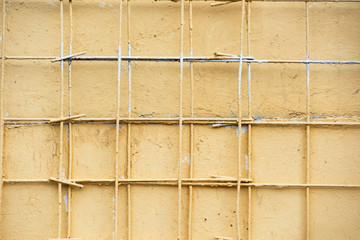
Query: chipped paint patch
[[102, 4], [246, 162], [244, 128], [187, 159], [66, 201]]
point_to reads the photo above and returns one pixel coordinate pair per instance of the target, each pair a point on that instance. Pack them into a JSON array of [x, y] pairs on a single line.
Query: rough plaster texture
[[32, 89]]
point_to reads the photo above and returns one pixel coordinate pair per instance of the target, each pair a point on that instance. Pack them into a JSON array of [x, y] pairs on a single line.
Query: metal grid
[[179, 182]]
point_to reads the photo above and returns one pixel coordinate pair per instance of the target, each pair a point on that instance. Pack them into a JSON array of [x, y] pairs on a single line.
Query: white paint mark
[[122, 177], [244, 128], [102, 4], [246, 162], [52, 3], [114, 202], [66, 201], [187, 159], [6, 114], [237, 131], [63, 174], [0, 38]]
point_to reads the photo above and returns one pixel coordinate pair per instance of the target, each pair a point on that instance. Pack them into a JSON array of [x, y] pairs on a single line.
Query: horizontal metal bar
[[268, 0], [191, 182], [186, 59], [214, 122]]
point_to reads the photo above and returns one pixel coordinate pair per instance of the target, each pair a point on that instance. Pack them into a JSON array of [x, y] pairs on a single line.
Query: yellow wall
[[278, 153]]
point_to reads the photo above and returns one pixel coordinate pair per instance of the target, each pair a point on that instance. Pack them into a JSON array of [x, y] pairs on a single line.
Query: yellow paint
[[32, 89]]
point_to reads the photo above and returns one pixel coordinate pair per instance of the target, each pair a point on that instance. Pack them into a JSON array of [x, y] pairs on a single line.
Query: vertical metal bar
[[117, 125], [180, 115], [307, 126], [250, 114], [238, 231], [129, 125], [2, 100], [70, 125], [192, 115], [61, 111]]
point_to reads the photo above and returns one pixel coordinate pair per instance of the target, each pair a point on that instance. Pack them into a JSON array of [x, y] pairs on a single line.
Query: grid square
[[34, 161], [38, 31], [277, 210], [339, 22], [29, 86], [161, 202], [335, 91], [279, 30], [216, 90], [214, 213], [284, 96], [216, 29], [328, 164], [335, 213], [155, 151], [29, 203], [215, 151], [96, 205], [155, 89], [277, 146]]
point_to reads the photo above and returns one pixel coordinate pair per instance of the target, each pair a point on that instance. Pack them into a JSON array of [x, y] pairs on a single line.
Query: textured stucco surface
[[32, 89]]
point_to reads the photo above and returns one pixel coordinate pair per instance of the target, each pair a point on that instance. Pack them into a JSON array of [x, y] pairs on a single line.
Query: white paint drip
[[63, 174], [187, 159], [52, 3], [244, 128], [246, 162], [66, 201], [102, 4]]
